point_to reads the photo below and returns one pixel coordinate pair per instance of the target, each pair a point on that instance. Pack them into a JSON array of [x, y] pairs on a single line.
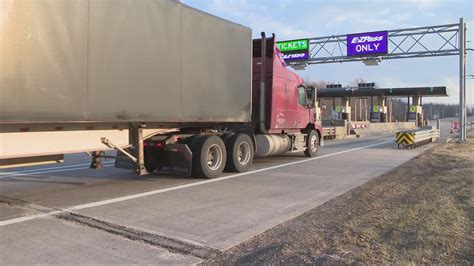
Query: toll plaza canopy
[[439, 91]]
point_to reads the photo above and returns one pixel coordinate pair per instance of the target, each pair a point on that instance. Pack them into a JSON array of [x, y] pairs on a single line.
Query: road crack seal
[[172, 245], [14, 202]]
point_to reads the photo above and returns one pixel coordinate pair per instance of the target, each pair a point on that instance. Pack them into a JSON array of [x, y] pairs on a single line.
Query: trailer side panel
[[43, 60], [121, 61]]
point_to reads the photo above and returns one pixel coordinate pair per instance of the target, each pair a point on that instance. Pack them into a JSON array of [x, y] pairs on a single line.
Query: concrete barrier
[[382, 128], [341, 132]]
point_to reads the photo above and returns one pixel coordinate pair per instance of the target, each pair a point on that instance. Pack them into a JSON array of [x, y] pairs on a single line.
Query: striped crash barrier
[[410, 139], [329, 132], [454, 127], [354, 126]]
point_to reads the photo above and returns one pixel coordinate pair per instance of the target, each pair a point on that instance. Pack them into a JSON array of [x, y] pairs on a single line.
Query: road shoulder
[[419, 212]]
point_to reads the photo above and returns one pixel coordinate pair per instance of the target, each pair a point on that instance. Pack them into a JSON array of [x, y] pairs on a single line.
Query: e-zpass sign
[[369, 43]]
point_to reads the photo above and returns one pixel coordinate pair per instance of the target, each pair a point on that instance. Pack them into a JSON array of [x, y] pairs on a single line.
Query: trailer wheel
[[312, 143], [209, 156], [240, 153]]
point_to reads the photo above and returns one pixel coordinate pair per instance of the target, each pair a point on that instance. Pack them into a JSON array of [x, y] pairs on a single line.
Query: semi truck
[[169, 87]]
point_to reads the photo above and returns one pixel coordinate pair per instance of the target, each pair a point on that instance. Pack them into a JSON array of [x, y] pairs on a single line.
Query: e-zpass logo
[[364, 39]]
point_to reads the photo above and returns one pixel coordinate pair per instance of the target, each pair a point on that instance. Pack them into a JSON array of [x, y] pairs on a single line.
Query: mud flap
[[179, 158]]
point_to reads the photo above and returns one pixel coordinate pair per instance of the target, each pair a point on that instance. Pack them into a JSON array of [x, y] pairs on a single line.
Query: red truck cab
[[283, 120], [289, 102]]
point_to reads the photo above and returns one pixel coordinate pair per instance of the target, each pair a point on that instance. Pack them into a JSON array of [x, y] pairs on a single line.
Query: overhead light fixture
[[373, 61], [299, 66]]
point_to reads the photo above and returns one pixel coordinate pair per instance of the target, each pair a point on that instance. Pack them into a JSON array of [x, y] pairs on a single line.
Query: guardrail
[[409, 139]]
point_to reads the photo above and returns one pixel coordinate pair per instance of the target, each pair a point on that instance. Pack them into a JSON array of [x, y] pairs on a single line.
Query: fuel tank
[[271, 144]]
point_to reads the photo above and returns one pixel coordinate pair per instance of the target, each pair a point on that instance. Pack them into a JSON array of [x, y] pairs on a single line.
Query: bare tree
[[320, 84]]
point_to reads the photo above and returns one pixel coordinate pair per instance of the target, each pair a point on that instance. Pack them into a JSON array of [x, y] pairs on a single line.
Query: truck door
[[303, 112], [284, 103]]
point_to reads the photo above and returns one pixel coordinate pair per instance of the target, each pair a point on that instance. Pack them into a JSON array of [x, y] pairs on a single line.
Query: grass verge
[[420, 212]]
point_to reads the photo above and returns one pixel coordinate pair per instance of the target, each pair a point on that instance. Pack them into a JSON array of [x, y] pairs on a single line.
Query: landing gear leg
[[136, 139], [96, 162]]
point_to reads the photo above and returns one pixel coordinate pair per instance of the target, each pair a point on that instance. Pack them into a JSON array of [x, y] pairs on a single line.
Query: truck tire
[[240, 152], [209, 157], [312, 143]]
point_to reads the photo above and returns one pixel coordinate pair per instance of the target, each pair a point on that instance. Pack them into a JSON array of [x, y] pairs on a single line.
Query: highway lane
[[195, 213], [72, 183]]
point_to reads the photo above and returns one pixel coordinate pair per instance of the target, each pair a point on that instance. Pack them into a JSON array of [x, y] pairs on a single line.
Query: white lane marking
[[31, 217], [48, 170], [159, 191]]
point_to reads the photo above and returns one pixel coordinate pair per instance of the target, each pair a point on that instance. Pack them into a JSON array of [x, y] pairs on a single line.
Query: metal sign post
[[462, 80]]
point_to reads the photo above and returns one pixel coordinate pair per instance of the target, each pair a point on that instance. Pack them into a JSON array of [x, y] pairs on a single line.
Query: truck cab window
[[302, 96]]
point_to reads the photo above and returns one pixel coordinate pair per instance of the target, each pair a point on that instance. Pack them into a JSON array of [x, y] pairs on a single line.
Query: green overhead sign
[[293, 45]]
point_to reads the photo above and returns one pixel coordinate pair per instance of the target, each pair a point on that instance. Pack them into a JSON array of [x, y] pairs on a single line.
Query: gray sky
[[292, 19]]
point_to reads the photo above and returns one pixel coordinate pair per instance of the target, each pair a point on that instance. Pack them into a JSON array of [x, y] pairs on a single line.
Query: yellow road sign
[[413, 109], [405, 138]]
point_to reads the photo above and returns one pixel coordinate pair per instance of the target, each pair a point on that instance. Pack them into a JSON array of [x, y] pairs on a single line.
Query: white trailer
[[73, 72]]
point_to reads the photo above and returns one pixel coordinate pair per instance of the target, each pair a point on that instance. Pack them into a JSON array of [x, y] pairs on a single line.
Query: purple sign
[[301, 55], [369, 43]]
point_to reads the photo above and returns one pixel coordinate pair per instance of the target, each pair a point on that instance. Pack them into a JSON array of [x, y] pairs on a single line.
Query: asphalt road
[[71, 214]]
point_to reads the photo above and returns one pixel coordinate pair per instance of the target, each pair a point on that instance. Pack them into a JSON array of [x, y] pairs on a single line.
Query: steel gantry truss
[[429, 41], [440, 40]]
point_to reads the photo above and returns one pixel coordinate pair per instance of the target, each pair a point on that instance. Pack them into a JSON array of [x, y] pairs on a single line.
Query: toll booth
[[378, 114], [379, 111], [344, 109], [415, 114], [415, 111], [340, 113]]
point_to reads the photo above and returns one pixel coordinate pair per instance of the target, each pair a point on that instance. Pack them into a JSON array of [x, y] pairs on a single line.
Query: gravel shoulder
[[420, 212]]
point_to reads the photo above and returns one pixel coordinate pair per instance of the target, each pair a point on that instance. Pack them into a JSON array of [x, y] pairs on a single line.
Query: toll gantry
[[372, 48]]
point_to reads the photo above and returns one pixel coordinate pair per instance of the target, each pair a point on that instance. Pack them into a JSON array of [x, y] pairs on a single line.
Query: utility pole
[[462, 81]]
